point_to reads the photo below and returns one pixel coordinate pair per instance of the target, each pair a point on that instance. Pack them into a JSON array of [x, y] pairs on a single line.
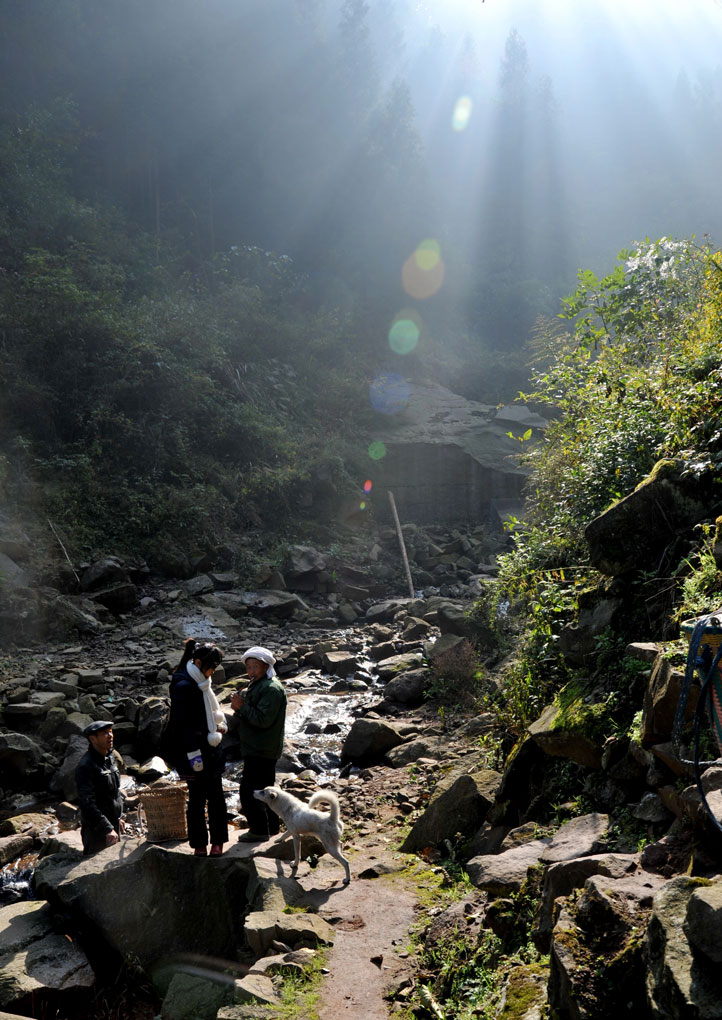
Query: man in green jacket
[[261, 710]]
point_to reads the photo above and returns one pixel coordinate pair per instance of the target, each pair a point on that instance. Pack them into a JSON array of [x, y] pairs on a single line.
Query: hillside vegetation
[[143, 400], [632, 383]]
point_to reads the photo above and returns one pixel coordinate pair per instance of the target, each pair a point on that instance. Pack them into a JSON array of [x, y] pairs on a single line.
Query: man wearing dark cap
[[98, 783]]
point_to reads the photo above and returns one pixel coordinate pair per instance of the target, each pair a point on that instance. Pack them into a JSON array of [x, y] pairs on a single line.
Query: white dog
[[301, 818]]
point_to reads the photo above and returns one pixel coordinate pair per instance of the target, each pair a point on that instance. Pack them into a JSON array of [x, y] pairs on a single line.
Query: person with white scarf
[[195, 730]]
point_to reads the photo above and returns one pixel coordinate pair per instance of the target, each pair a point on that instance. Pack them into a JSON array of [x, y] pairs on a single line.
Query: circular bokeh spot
[[404, 334], [377, 450], [389, 393], [428, 255], [462, 113], [422, 273]]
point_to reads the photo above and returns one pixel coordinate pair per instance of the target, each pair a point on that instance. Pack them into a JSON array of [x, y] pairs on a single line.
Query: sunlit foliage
[[634, 380]]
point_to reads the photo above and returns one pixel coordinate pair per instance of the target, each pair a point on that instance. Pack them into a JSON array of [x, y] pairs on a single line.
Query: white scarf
[[215, 719]]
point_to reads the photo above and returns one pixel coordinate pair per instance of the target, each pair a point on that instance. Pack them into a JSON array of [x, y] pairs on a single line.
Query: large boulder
[[368, 740], [578, 641], [103, 573], [118, 598], [193, 996], [447, 458], [570, 728], [562, 878], [302, 559], [150, 903], [267, 926], [459, 804], [682, 979], [387, 669], [14, 846], [63, 780], [661, 699], [596, 951], [633, 533], [275, 604], [408, 688], [19, 755]]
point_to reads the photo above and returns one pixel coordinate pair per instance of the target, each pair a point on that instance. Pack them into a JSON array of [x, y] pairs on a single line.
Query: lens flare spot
[[462, 113], [389, 393], [377, 450], [428, 254], [404, 334], [423, 272], [368, 485]]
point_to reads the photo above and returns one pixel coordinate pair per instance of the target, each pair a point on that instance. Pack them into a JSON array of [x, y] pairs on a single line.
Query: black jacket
[[188, 729], [101, 803]]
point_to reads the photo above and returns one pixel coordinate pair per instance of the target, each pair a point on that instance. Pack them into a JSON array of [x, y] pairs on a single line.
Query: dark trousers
[[206, 789], [257, 773], [94, 840]]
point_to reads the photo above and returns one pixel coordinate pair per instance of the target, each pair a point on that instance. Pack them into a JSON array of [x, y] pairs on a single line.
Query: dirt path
[[372, 917], [374, 914]]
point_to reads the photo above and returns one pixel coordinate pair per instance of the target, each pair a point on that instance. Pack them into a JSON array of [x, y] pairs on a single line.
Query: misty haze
[[369, 351]]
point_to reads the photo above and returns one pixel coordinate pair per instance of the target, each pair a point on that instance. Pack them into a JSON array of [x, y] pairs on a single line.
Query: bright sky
[[640, 23]]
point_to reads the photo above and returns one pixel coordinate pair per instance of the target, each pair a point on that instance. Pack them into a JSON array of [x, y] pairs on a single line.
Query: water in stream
[[16, 880]]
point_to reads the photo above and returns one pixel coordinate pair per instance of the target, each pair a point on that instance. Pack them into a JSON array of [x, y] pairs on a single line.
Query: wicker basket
[[164, 806]]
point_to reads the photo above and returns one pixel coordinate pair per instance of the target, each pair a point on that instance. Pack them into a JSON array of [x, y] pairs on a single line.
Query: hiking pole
[[400, 535], [60, 543]]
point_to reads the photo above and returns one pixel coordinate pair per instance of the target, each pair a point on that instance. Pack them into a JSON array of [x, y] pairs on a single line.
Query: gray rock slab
[[264, 927], [408, 688], [256, 988], [196, 997], [339, 662], [505, 872], [703, 923], [12, 847], [562, 878], [368, 740], [35, 956], [578, 837], [423, 747], [679, 984], [387, 669], [501, 874]]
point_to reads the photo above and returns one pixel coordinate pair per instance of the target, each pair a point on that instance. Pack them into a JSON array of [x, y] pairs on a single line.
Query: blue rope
[[706, 692], [696, 661]]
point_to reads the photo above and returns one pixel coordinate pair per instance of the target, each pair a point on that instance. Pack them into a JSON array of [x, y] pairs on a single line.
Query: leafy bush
[[636, 379], [456, 677]]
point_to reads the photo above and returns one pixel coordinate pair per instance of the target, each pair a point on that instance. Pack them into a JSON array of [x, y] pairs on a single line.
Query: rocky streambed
[[573, 916]]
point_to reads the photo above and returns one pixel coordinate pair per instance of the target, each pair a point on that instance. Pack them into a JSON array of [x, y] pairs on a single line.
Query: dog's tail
[[330, 798]]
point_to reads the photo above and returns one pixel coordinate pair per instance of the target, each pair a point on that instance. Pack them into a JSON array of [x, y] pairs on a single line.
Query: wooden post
[[60, 543], [400, 535]]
